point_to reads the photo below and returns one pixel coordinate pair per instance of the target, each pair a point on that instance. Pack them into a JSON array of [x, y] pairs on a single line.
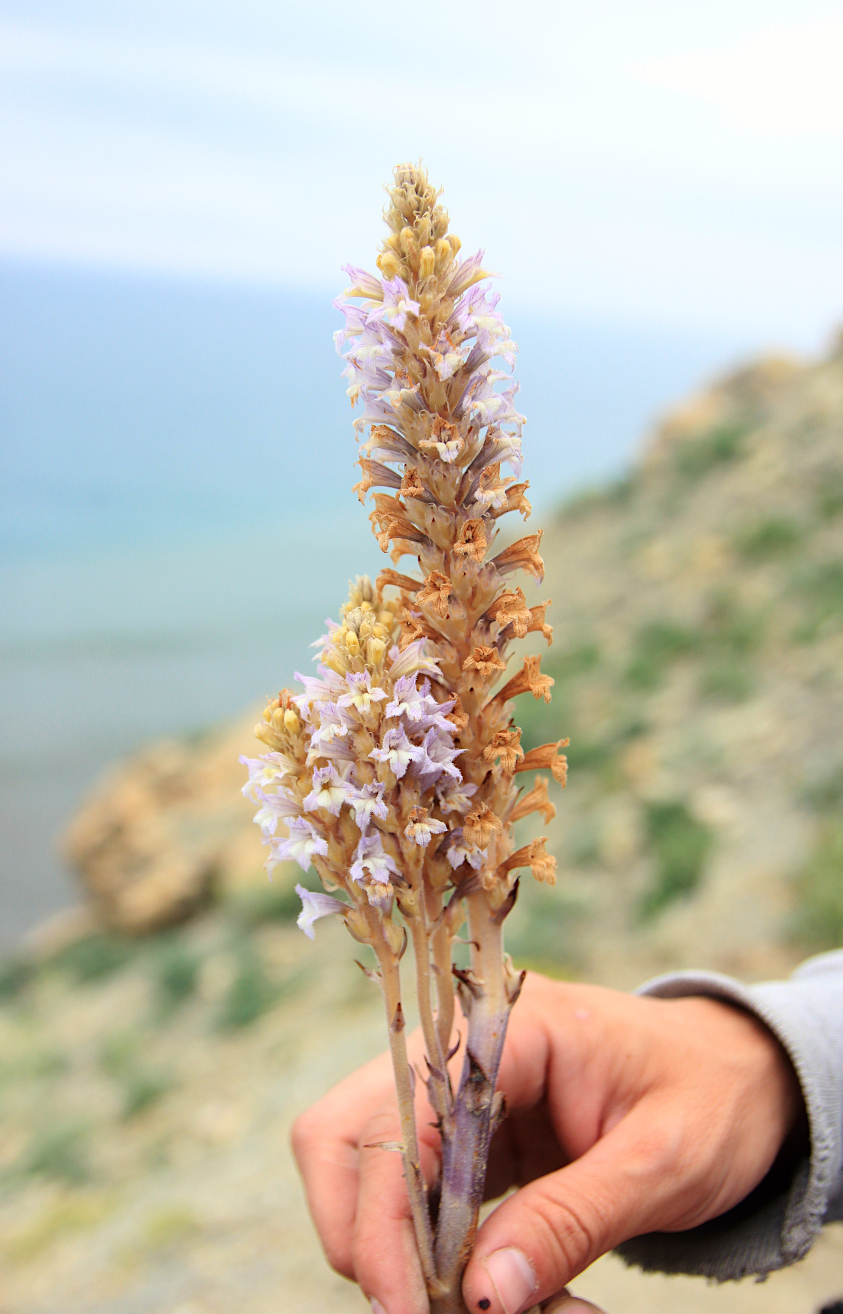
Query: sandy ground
[[190, 1203]]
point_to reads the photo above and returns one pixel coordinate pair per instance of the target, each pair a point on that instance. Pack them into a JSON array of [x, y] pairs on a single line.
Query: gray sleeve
[[779, 1221]]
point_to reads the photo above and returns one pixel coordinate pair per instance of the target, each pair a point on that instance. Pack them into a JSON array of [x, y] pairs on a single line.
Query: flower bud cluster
[[355, 755]]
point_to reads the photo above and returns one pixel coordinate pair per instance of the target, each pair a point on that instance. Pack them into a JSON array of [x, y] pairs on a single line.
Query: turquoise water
[[175, 513]]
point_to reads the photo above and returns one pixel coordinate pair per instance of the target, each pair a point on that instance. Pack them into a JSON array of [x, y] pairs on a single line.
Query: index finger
[[325, 1142]]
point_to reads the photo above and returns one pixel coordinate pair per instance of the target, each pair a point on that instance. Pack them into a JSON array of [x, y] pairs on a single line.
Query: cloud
[[657, 165], [782, 81]]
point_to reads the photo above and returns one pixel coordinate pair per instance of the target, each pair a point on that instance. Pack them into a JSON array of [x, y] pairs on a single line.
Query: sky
[[659, 183], [638, 162]]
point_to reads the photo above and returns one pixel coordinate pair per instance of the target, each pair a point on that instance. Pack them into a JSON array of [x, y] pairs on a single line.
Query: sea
[[176, 519]]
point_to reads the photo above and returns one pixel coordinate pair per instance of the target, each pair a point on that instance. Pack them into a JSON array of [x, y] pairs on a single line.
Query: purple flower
[[448, 451], [372, 863], [407, 700], [356, 319], [454, 795], [366, 803], [466, 273], [446, 364], [495, 496], [459, 852], [368, 285], [361, 694], [436, 714], [388, 447], [373, 359], [411, 661], [313, 906], [424, 829], [378, 410], [477, 317], [333, 724], [339, 750], [275, 807], [397, 751], [437, 757], [501, 446], [397, 303], [328, 791], [303, 843], [489, 407], [265, 771], [318, 690]]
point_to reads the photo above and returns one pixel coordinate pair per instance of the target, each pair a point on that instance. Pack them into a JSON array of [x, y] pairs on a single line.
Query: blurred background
[[661, 187]]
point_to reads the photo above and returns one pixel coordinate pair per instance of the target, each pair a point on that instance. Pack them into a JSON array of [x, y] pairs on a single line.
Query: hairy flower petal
[[301, 844], [315, 905]]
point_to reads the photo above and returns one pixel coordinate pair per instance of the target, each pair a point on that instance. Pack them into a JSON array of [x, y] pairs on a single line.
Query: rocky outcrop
[[166, 831]]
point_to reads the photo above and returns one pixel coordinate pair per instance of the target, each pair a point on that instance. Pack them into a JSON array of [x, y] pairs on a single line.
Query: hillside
[[698, 660], [147, 1081], [699, 668]]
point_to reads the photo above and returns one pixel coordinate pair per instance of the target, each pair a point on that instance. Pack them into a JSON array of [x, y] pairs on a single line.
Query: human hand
[[625, 1115]]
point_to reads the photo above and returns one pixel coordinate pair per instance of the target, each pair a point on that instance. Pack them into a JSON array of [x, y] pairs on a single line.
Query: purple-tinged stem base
[[488, 996]]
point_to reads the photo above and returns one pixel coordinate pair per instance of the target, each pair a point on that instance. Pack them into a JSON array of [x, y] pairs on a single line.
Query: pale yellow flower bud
[[375, 651], [388, 264], [291, 721], [428, 262], [333, 660], [411, 247], [267, 735]]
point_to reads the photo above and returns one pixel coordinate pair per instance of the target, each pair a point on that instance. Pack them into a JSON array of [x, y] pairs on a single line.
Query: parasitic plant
[[395, 773]]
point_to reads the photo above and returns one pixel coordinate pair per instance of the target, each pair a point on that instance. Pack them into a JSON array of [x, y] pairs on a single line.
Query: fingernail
[[512, 1276], [377, 1307]]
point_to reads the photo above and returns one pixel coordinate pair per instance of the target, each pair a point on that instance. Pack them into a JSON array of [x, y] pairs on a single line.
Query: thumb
[[549, 1231], [566, 1303]]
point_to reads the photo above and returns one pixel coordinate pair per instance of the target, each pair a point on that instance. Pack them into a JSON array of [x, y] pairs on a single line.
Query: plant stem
[[438, 1086], [465, 1149], [391, 986], [441, 946]]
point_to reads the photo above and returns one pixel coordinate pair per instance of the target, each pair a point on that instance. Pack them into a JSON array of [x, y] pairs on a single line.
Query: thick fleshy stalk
[[488, 992]]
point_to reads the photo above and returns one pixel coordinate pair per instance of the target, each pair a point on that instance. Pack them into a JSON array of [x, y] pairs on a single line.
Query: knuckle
[[340, 1258], [669, 1141], [304, 1132], [384, 1125], [661, 1151]]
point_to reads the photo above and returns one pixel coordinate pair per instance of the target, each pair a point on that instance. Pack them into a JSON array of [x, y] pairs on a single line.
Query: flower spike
[[394, 772]]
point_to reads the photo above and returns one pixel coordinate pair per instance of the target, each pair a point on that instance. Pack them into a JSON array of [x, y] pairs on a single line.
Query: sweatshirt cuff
[[777, 1223]]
